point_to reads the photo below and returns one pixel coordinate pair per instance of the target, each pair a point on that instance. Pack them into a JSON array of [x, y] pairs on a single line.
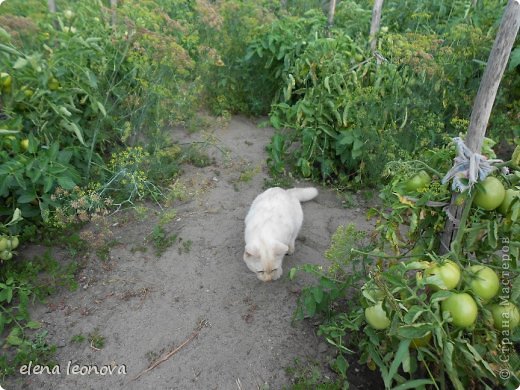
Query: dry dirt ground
[[143, 305]]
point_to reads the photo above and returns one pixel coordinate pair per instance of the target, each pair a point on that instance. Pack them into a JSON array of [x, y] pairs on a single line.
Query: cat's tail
[[303, 194]]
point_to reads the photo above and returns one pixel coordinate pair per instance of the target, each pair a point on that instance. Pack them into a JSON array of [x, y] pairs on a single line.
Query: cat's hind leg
[[291, 247]]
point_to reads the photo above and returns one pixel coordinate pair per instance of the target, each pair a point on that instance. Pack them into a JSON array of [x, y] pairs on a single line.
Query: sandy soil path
[[143, 305]]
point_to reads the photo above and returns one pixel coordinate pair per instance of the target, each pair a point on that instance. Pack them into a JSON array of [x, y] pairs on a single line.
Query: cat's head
[[265, 260]]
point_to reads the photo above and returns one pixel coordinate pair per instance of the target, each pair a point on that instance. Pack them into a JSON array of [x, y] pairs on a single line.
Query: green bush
[[419, 344], [343, 113], [82, 90], [231, 83]]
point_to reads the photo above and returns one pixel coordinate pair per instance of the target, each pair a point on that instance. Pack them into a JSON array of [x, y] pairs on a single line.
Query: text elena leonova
[[73, 369]]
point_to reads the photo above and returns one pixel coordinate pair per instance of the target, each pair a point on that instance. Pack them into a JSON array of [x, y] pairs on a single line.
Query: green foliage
[[421, 346], [343, 113], [80, 88], [33, 349], [21, 282], [232, 84]]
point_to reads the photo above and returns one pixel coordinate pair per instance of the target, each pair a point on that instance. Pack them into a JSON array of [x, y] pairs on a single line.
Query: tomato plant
[[415, 316]]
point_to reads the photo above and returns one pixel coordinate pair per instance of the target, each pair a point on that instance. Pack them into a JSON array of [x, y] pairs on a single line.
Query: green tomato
[[3, 244], [462, 308], [505, 316], [508, 199], [485, 283], [14, 242], [448, 272], [53, 84], [376, 316], [419, 181], [24, 144], [28, 92], [6, 255], [6, 81], [490, 195]]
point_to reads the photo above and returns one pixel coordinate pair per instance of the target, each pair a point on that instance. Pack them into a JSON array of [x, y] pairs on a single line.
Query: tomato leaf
[[414, 331], [492, 233], [479, 358], [400, 355], [318, 294], [414, 313], [341, 365], [33, 325], [416, 383], [448, 360], [66, 182], [515, 290], [440, 296]]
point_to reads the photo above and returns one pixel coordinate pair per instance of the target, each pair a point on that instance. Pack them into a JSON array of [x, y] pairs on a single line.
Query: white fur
[[272, 225]]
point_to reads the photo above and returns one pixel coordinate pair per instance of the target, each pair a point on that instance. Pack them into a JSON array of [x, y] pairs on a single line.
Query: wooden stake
[[483, 104], [52, 6], [332, 11], [113, 6], [376, 21]]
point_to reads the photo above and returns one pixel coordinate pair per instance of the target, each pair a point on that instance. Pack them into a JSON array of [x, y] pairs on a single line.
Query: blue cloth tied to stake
[[468, 167]]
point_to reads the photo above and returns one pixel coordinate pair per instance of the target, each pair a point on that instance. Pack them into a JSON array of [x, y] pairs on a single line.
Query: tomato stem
[[456, 246], [432, 170]]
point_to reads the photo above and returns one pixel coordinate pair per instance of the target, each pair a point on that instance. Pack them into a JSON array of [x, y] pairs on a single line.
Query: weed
[[161, 239], [177, 192], [167, 216], [309, 375], [78, 338], [139, 248], [103, 252], [142, 212], [282, 181], [347, 200], [35, 350], [198, 123], [76, 245], [247, 174], [96, 339], [151, 356], [185, 246], [196, 156]]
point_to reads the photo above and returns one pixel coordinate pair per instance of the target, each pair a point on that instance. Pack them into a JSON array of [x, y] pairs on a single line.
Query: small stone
[[322, 347]]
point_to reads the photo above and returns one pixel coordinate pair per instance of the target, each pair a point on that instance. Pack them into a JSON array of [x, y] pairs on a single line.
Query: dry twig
[[168, 355]]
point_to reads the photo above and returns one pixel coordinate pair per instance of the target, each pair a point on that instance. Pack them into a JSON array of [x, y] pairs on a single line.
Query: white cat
[[272, 224]]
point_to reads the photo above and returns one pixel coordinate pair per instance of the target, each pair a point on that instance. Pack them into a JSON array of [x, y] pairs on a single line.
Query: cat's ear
[[280, 248], [251, 251]]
